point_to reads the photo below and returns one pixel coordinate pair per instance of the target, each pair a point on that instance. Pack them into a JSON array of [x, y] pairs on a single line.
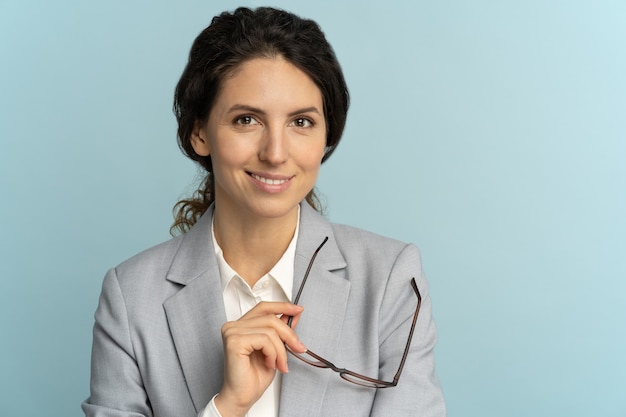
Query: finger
[[286, 333], [294, 320], [294, 343], [240, 338], [264, 344], [272, 307], [299, 346]]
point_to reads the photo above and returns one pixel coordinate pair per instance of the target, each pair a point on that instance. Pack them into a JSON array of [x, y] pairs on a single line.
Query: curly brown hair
[[231, 39]]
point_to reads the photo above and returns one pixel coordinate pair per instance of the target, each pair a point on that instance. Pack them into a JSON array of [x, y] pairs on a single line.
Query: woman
[[204, 324]]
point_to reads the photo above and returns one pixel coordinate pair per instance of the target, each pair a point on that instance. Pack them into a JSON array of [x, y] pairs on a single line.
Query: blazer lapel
[[196, 313], [324, 299]]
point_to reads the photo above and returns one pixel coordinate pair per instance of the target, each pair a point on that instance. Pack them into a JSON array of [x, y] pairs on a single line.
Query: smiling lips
[[270, 181]]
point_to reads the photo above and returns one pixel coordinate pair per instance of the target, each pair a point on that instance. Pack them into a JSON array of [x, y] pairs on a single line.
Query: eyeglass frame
[[346, 374]]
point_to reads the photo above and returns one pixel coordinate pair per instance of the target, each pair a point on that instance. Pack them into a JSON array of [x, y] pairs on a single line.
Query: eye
[[245, 120], [303, 122]]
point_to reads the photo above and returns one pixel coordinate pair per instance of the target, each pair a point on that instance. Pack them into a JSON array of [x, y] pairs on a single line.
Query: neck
[[252, 246]]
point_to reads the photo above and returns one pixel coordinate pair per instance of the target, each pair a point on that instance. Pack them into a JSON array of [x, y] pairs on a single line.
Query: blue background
[[490, 133]]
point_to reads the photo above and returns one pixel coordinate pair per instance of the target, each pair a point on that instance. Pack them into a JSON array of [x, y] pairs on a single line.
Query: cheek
[[228, 153], [319, 155], [311, 157], [314, 148], [314, 163]]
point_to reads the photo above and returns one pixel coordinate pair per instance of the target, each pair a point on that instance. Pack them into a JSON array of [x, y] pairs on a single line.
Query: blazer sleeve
[[116, 384], [418, 392]]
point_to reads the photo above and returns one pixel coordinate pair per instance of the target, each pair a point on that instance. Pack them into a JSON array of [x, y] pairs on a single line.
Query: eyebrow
[[252, 109]]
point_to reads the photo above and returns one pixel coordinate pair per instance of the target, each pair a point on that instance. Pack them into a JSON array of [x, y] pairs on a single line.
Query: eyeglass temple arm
[[408, 342], [306, 275]]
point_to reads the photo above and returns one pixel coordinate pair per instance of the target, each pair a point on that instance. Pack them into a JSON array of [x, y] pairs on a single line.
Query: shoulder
[[147, 266], [349, 237], [353, 243], [359, 244], [161, 269], [157, 256]]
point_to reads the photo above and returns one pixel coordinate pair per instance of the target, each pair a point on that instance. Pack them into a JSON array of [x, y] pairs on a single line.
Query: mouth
[[269, 181]]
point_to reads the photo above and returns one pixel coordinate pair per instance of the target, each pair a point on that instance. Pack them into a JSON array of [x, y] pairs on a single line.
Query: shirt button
[[257, 299], [265, 284]]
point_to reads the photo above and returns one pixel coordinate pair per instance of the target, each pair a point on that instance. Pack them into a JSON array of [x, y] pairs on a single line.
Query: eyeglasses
[[350, 376]]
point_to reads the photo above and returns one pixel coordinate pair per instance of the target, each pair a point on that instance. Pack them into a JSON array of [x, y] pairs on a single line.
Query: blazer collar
[[196, 313], [195, 254]]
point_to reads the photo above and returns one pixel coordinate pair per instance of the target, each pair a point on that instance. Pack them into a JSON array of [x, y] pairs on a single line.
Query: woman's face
[[266, 136]]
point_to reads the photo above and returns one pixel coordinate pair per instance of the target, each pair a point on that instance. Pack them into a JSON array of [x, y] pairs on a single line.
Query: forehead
[[272, 80]]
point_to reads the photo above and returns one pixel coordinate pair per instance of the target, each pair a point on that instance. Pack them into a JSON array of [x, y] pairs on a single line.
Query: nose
[[274, 147]]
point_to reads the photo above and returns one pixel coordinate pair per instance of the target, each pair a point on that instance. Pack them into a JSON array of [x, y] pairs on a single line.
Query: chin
[[275, 210]]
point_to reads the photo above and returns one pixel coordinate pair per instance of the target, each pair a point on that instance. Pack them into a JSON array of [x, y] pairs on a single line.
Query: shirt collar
[[281, 272]]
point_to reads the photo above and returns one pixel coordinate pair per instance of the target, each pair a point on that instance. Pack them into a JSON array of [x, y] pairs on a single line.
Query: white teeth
[[268, 181]]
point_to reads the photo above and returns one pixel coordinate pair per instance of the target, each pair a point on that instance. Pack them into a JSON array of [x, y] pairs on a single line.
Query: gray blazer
[[157, 346]]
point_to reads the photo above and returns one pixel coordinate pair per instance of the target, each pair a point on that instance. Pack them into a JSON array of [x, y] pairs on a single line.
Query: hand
[[254, 347]]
